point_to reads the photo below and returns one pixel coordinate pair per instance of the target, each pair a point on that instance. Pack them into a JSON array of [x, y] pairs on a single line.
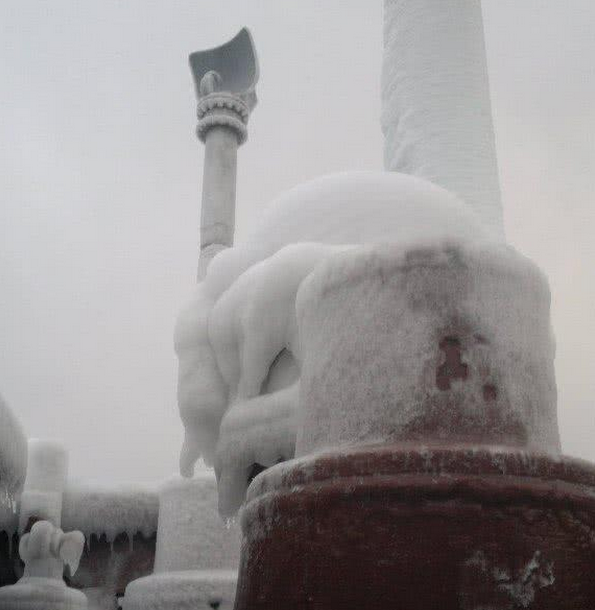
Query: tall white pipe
[[436, 114]]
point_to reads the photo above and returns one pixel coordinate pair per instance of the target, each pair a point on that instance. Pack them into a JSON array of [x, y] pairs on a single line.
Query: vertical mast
[[225, 79], [436, 115]]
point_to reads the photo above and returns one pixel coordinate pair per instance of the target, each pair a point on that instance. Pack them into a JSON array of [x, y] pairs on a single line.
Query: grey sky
[[100, 189]]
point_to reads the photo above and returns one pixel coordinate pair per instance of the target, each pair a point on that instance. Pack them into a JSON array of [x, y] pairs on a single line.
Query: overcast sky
[[100, 178]]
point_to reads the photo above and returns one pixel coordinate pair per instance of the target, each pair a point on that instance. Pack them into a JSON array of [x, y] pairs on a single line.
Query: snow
[[509, 589], [237, 341], [13, 458], [191, 534], [110, 511], [436, 111]]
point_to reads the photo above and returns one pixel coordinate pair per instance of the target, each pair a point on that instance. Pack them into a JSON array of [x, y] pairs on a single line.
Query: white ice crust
[[237, 340]]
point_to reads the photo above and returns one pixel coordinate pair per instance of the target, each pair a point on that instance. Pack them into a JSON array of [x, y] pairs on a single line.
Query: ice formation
[[110, 511], [13, 463], [237, 341], [45, 551], [436, 110]]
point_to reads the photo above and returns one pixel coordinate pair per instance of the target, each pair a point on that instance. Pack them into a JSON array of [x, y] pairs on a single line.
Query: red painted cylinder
[[408, 529]]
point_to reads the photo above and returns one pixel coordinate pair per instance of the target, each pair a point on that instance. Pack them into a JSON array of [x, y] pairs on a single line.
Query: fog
[[100, 175]]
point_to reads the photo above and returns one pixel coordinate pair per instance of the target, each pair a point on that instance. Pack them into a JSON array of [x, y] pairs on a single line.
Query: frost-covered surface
[[446, 341], [237, 340], [186, 590], [436, 112], [13, 458], [111, 511], [191, 534]]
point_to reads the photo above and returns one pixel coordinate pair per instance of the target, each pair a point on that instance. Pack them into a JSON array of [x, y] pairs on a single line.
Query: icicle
[[10, 543], [130, 535]]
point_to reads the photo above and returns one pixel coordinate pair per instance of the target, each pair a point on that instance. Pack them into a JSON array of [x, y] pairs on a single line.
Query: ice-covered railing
[[110, 511], [13, 465]]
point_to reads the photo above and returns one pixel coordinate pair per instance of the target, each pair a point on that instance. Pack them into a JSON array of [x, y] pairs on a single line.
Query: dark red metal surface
[[408, 529]]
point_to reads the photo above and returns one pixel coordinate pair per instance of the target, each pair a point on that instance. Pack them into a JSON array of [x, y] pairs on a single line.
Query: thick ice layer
[[237, 340], [191, 534], [436, 111], [13, 455], [255, 434], [110, 511], [443, 342], [202, 394]]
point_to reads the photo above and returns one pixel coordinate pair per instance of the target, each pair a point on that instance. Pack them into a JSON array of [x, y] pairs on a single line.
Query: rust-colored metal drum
[[410, 528]]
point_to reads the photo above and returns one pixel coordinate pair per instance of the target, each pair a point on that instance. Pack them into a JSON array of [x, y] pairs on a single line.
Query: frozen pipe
[[47, 470], [225, 80], [436, 109]]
